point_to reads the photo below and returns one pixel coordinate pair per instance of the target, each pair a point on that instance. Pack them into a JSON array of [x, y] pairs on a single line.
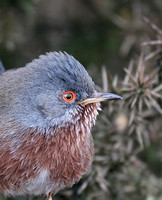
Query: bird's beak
[[100, 97]]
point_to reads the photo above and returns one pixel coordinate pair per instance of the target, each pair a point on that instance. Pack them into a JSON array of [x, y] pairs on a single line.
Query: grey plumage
[[32, 96], [2, 69]]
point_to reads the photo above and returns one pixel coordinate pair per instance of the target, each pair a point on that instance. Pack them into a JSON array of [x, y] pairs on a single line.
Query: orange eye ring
[[69, 96]]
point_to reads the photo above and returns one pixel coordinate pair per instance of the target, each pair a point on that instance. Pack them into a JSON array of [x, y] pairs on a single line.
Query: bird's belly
[[54, 180], [37, 185], [61, 171], [41, 184], [54, 164]]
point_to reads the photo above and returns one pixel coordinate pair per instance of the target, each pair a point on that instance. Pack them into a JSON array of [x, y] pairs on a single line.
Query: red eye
[[69, 96]]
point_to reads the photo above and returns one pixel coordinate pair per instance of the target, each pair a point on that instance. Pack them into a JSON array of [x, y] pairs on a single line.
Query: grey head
[[32, 96]]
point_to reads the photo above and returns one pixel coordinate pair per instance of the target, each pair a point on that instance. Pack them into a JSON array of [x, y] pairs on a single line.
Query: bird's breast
[[66, 156], [56, 160]]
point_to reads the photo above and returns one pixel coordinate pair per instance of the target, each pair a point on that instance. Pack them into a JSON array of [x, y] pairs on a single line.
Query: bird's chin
[[89, 114], [82, 115]]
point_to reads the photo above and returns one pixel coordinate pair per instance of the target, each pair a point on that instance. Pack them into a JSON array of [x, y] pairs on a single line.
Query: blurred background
[[120, 44]]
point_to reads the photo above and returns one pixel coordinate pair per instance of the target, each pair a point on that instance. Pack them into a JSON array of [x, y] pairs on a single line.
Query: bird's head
[[55, 90]]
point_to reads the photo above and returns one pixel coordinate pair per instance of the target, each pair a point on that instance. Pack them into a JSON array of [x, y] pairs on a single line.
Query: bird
[[47, 110], [2, 69]]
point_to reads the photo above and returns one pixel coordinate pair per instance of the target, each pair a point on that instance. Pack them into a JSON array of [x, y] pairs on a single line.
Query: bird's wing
[[2, 69]]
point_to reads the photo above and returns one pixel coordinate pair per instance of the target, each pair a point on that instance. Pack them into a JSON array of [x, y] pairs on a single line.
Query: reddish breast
[[65, 153]]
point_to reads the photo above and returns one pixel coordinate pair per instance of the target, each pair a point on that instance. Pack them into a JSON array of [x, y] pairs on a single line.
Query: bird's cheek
[[49, 107]]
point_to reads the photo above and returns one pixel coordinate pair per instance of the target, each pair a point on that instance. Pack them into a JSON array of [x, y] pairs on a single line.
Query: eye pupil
[[68, 96]]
